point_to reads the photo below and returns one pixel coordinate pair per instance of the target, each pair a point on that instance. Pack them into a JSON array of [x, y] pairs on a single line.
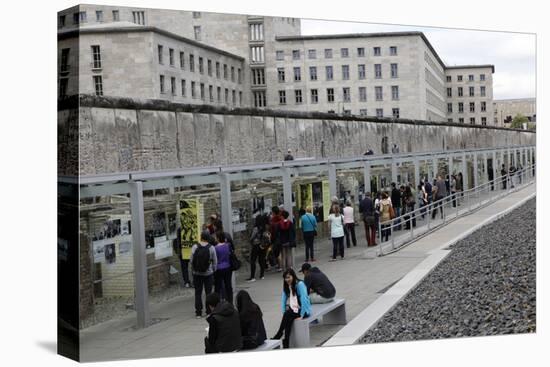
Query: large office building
[[264, 62]]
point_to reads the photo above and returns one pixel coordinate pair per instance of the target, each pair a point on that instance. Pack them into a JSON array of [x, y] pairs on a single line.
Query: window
[[201, 65], [362, 94], [298, 96], [393, 50], [347, 112], [363, 112], [361, 52], [361, 71], [482, 77], [160, 49], [483, 106], [281, 75], [239, 76], [211, 93], [314, 96], [312, 54], [116, 16], [459, 78], [193, 90], [472, 107], [482, 91], [395, 113], [460, 92], [344, 52], [65, 60], [329, 72], [219, 94], [471, 90], [99, 16], [449, 107], [79, 17], [233, 97], [376, 51], [484, 121], [297, 74], [449, 78], [182, 59], [171, 56], [209, 67], [63, 85], [280, 55], [470, 78], [98, 84], [378, 71], [62, 21], [346, 94], [191, 62], [328, 53], [256, 31], [379, 112], [495, 120], [257, 54], [378, 93], [395, 92], [218, 69], [173, 85], [295, 54], [226, 96], [313, 73], [460, 107], [345, 72], [259, 99], [197, 32], [96, 57], [162, 90], [472, 120], [258, 76], [330, 95], [233, 74], [394, 70], [225, 71], [202, 91], [196, 14], [240, 98], [450, 120], [449, 92], [183, 88], [139, 17], [461, 120]]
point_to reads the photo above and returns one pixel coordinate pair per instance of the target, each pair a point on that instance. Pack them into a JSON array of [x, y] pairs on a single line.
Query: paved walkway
[[360, 279]]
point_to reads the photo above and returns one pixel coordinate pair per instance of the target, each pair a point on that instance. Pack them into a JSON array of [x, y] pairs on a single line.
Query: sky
[[513, 54]]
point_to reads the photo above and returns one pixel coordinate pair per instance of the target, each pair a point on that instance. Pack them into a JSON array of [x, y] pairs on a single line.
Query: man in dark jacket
[[224, 326], [285, 237], [318, 286], [396, 199], [366, 208]]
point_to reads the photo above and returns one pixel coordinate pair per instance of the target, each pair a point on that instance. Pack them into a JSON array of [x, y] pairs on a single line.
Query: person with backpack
[[252, 324], [386, 211], [309, 231], [285, 238], [223, 272], [224, 327], [260, 240], [336, 223], [203, 264], [294, 303]]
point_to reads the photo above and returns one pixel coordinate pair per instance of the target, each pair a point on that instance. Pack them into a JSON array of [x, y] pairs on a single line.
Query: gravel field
[[486, 286]]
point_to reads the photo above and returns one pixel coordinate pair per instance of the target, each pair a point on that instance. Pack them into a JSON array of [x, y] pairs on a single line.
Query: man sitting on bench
[[318, 286]]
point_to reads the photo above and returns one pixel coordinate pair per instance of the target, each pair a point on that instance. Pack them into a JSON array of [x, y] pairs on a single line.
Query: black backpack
[[201, 258]]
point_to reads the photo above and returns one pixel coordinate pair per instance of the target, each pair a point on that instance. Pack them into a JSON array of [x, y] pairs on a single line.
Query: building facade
[[505, 110], [146, 53]]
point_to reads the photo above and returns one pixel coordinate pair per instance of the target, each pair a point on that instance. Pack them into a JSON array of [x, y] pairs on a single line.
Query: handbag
[[234, 261], [392, 212]]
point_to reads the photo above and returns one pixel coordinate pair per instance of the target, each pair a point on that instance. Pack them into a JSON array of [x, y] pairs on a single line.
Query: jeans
[[397, 215], [201, 281], [316, 298], [286, 257], [257, 254], [223, 286], [309, 237], [370, 230], [350, 228], [337, 246], [286, 326], [438, 205], [185, 270], [386, 230]]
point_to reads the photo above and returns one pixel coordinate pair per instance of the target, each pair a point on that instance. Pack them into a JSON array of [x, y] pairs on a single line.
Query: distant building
[[506, 109], [264, 62]]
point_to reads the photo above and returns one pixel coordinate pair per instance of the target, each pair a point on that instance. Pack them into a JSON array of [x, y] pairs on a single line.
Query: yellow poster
[[190, 223], [305, 198], [326, 200]]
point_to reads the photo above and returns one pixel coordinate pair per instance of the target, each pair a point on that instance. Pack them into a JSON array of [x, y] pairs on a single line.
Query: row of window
[[329, 72], [82, 17], [471, 91], [472, 120], [459, 78], [96, 79], [202, 91], [379, 112], [209, 65], [328, 53], [482, 105], [346, 95]]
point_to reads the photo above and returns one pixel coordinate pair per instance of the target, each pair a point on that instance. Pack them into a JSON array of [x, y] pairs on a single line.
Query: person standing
[[223, 273], [274, 222], [289, 156], [439, 195], [366, 208], [224, 327], [260, 240], [203, 264], [511, 173], [349, 223], [409, 203], [295, 304], [504, 178], [309, 230], [385, 215], [184, 257], [396, 199], [422, 199], [454, 190], [252, 324], [336, 222], [286, 240]]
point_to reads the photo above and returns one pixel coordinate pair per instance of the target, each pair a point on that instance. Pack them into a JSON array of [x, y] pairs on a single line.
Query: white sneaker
[[251, 280], [262, 278]]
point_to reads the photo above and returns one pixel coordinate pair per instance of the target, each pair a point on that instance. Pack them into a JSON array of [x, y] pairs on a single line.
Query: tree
[[518, 121]]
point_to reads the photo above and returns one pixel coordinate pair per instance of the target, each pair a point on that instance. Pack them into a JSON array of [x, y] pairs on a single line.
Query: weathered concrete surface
[[115, 137]]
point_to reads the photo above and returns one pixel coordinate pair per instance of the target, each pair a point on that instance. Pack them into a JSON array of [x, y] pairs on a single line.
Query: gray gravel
[[486, 286]]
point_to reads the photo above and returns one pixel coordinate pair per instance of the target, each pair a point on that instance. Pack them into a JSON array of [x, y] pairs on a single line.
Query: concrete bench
[[332, 313], [267, 345]]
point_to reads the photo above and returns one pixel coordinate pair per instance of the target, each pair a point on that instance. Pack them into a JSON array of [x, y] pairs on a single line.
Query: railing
[[449, 207]]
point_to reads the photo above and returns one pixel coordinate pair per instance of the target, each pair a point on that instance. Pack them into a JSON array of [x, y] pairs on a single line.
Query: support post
[[486, 166], [465, 178], [416, 163], [332, 180], [475, 178], [495, 169], [394, 171], [287, 190], [366, 173], [450, 165], [227, 210], [434, 168], [141, 301]]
